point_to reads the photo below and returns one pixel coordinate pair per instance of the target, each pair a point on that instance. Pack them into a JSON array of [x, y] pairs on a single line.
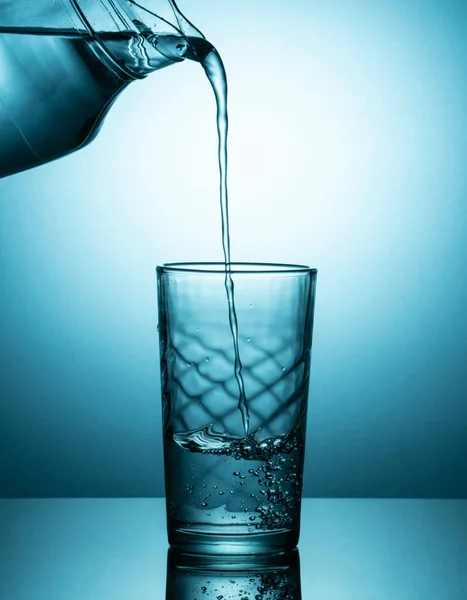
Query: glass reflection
[[230, 578]]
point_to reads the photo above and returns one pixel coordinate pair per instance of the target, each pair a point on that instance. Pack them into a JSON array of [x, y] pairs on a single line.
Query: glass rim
[[245, 268]]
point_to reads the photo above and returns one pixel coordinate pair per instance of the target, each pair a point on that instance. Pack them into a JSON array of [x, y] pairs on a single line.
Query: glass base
[[191, 576], [265, 544]]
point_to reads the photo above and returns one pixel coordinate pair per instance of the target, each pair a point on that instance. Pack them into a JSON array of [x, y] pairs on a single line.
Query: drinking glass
[[191, 579], [235, 373]]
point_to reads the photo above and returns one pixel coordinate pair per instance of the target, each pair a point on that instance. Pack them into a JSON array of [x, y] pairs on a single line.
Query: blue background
[[348, 152]]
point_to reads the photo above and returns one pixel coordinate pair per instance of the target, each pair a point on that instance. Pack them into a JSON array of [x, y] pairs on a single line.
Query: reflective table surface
[[89, 549]]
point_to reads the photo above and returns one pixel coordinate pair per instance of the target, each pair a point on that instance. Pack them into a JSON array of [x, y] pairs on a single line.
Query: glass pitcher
[[64, 62]]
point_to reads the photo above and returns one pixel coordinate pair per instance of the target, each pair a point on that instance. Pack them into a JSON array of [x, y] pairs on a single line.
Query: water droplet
[[207, 359], [250, 305], [248, 339], [221, 493], [204, 504], [283, 368], [234, 517]]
